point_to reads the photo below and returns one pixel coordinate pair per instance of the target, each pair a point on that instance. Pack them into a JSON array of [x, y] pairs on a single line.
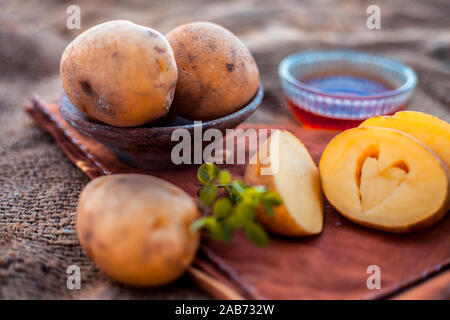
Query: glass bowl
[[340, 89]]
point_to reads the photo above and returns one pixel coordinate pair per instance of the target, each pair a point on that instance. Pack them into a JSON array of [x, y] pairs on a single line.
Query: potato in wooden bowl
[[120, 73], [217, 74]]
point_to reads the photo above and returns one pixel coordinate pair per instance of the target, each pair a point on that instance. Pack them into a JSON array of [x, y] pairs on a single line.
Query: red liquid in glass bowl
[[340, 89], [351, 86]]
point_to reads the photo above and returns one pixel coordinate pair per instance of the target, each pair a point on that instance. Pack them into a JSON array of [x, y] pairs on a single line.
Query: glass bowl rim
[[286, 63]]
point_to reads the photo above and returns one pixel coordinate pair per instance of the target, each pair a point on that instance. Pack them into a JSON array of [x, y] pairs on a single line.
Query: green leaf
[[235, 221], [270, 200], [238, 187], [253, 195], [217, 230], [212, 170], [224, 177], [237, 210], [203, 175], [246, 210], [213, 228], [241, 214], [198, 224], [222, 207], [273, 198], [268, 207], [259, 189], [256, 234], [207, 172], [227, 232], [208, 193]]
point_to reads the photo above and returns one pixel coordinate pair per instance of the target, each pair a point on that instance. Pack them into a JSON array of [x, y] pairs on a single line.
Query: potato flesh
[[298, 183], [296, 178], [376, 185], [432, 131], [398, 183]]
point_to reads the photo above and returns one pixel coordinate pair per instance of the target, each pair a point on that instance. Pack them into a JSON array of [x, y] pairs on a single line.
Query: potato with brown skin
[[120, 73], [136, 228], [217, 74]]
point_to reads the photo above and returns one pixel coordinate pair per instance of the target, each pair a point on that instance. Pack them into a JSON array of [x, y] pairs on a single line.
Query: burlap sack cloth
[[332, 265]]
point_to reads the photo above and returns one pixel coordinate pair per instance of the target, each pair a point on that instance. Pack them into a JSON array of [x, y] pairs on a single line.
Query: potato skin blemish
[[86, 87]]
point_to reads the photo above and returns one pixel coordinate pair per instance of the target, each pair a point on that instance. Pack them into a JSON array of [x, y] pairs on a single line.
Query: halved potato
[[284, 165], [432, 131], [385, 179]]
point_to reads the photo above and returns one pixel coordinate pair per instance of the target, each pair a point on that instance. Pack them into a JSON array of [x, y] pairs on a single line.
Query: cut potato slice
[[284, 165], [385, 179], [432, 131], [375, 186]]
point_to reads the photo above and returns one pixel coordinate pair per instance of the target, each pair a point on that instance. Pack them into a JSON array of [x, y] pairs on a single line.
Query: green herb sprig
[[235, 210]]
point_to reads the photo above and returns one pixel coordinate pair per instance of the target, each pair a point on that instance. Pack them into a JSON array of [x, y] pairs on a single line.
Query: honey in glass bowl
[[340, 89]]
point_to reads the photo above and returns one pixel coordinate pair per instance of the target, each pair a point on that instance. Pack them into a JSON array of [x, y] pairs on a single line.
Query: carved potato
[[120, 73], [296, 178], [431, 131], [384, 179]]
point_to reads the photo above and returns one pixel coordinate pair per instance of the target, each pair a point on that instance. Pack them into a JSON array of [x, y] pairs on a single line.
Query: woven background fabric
[[39, 187]]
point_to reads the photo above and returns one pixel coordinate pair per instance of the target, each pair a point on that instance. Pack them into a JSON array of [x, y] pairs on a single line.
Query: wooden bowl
[[149, 146]]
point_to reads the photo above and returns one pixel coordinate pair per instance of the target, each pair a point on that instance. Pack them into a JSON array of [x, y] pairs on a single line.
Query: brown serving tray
[[331, 265]]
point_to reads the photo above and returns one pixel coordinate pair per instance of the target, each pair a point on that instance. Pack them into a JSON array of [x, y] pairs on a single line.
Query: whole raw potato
[[120, 73], [136, 228], [217, 73]]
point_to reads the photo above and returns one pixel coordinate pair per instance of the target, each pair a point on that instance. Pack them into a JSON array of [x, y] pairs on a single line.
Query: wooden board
[[332, 265]]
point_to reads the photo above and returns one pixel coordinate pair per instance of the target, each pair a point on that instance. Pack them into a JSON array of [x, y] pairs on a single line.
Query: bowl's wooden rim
[[78, 119]]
